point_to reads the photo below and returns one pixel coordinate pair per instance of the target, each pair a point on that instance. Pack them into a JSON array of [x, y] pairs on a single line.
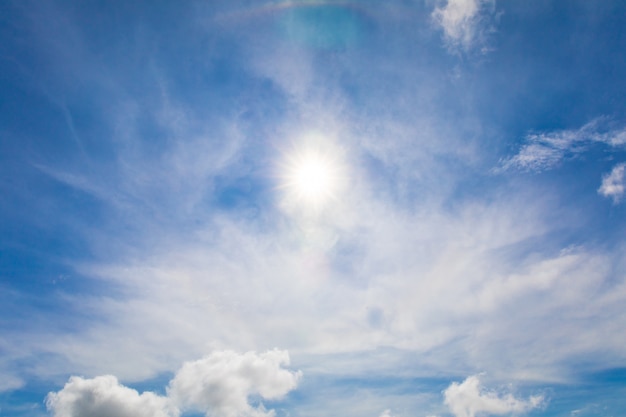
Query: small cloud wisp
[[544, 151], [613, 183], [462, 21]]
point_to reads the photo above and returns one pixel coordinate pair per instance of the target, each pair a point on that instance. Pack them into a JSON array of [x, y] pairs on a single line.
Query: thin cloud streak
[[545, 151]]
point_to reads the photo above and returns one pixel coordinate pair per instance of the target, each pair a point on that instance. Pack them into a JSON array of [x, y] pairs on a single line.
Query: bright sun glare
[[311, 177]]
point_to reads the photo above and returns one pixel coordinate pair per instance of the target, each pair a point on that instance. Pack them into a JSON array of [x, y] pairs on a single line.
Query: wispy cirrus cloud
[[469, 399], [546, 150]]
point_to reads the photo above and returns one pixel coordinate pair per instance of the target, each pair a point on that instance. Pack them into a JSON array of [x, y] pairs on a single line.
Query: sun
[[312, 177]]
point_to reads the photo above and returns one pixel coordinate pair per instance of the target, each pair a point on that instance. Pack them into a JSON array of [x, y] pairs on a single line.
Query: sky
[[303, 208]]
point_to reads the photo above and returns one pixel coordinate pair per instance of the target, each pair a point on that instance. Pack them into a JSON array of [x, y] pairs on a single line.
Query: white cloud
[[536, 157], [468, 399], [104, 396], [463, 21], [9, 382], [218, 385], [221, 383], [613, 183], [544, 151]]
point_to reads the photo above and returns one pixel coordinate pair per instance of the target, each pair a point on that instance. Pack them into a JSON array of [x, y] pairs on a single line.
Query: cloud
[[182, 287], [463, 21], [468, 399], [218, 385], [104, 396], [9, 382], [404, 251], [613, 183], [544, 151], [221, 383]]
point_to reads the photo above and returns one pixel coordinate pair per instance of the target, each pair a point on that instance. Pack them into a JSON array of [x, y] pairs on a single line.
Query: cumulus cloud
[[468, 399], [462, 21], [614, 182], [104, 396], [544, 151], [218, 385], [221, 383]]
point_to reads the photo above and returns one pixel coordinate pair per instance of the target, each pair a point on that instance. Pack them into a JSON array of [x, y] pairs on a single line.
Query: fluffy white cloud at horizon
[[104, 396], [218, 385], [221, 384], [464, 211], [468, 399]]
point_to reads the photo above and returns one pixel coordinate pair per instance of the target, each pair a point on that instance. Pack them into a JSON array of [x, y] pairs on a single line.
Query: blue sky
[[302, 208]]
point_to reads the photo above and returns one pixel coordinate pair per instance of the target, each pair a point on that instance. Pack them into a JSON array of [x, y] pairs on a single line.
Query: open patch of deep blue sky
[[247, 208]]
